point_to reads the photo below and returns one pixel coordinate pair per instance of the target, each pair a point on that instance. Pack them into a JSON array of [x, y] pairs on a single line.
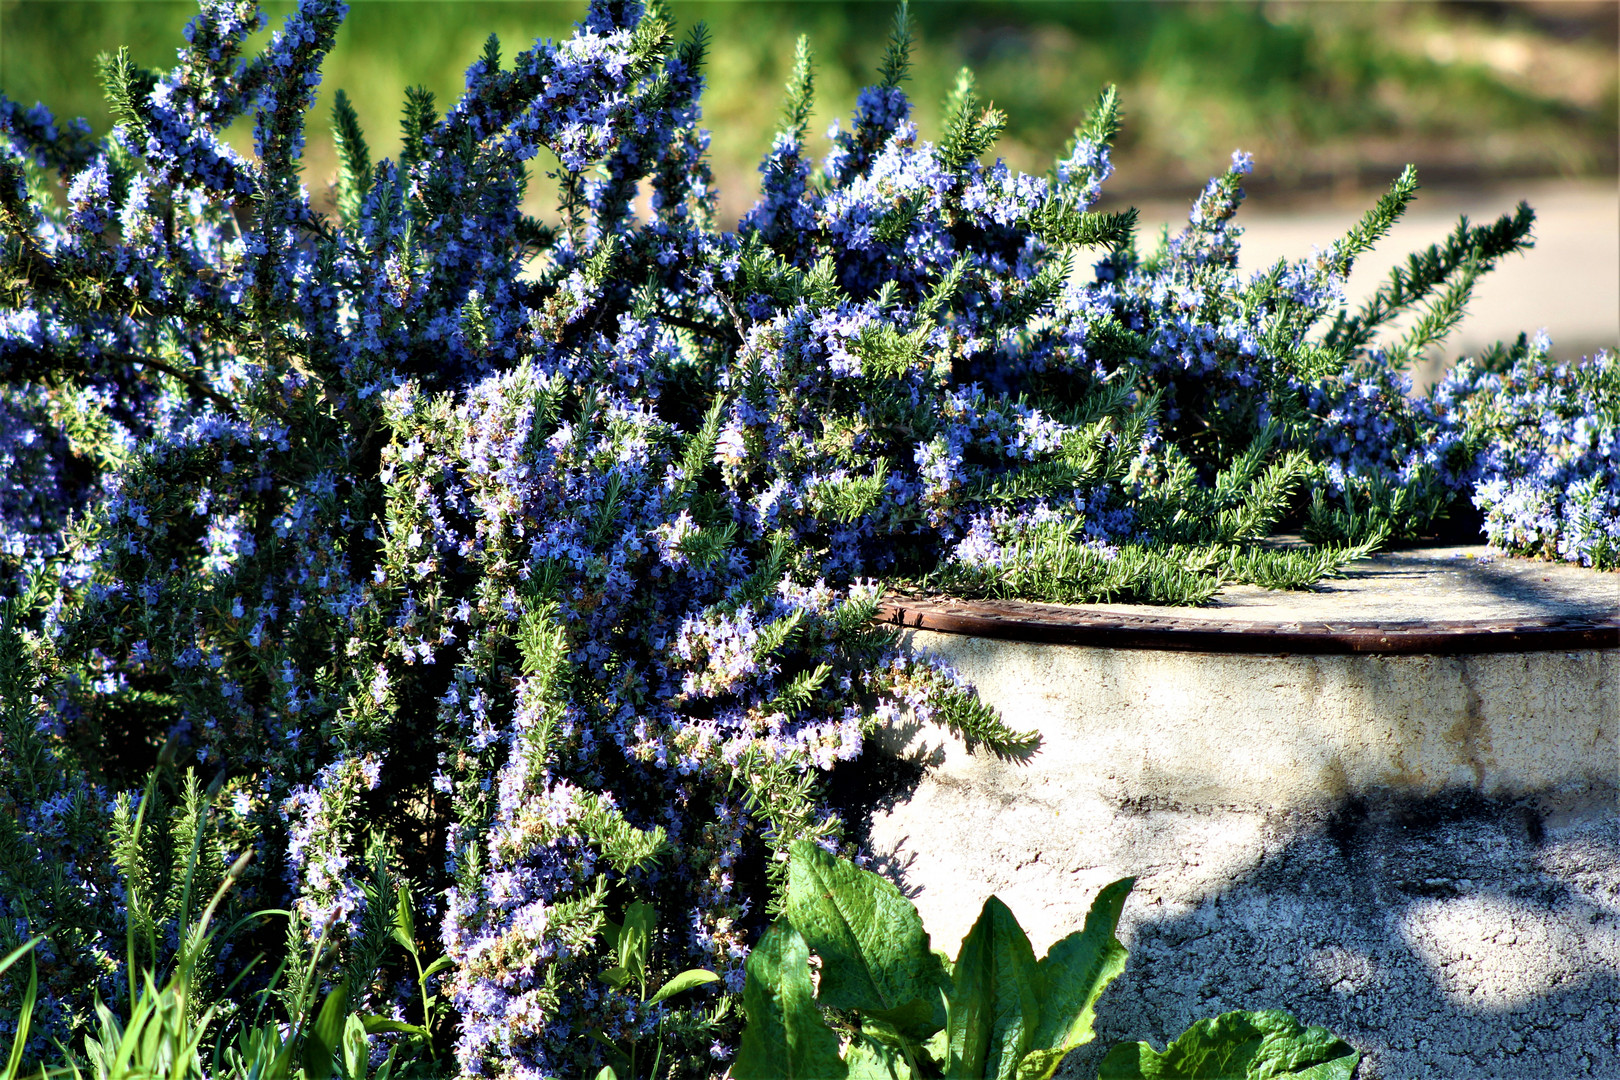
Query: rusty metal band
[[1056, 625]]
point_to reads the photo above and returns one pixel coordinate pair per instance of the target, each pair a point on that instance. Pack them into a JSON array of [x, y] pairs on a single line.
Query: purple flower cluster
[[1372, 431], [33, 502], [535, 564], [1530, 443], [1548, 473]]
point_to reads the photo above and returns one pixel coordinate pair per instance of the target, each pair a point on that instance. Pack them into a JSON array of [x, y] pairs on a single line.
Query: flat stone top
[[1425, 600], [1423, 584]]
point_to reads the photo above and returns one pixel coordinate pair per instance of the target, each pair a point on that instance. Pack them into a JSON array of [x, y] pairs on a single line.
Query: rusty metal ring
[[1054, 624]]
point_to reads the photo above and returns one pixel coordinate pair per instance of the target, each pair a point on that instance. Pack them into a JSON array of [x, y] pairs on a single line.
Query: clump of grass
[[173, 1029]]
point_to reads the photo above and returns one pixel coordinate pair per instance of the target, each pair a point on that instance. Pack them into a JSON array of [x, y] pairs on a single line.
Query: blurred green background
[[1330, 96]]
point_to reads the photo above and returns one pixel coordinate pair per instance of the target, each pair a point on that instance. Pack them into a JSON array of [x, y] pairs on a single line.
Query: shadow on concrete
[[879, 780], [1446, 937], [1269, 809], [1449, 936], [1520, 581], [1532, 586]]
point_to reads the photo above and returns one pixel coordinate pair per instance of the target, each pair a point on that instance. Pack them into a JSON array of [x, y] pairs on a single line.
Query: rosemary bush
[[530, 567]]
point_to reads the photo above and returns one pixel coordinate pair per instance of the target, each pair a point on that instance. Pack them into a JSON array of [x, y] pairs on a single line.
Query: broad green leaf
[[617, 1059], [281, 1067], [635, 939], [683, 982], [150, 1035], [1040, 1064], [918, 1019], [995, 1006], [868, 1060], [786, 1038], [1073, 975], [404, 920], [443, 963], [321, 1040], [1238, 1046], [616, 977], [378, 1025], [25, 1014], [19, 952], [607, 1073], [874, 950], [881, 1031], [385, 1071], [354, 1052], [884, 1041]]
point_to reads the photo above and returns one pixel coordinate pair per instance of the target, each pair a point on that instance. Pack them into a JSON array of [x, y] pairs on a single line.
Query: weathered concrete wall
[[1294, 732], [1420, 852]]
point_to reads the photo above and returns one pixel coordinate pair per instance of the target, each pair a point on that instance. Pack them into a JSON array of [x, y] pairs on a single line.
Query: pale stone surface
[[1420, 852], [1441, 939], [1284, 732], [1423, 585], [1443, 936]]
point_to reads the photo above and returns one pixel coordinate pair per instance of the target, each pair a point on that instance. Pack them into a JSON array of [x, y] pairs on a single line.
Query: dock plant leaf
[[1072, 976], [995, 1007], [874, 950], [786, 1038], [1238, 1046]]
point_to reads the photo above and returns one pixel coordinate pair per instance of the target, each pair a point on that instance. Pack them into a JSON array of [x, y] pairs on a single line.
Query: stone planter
[[1387, 805]]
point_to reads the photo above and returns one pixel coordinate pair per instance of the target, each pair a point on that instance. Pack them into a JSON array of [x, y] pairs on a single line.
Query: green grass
[[1314, 90]]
